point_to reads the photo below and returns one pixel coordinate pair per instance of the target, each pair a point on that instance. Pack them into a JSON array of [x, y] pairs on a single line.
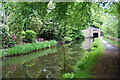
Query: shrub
[[30, 35], [35, 23], [8, 38], [11, 39], [23, 33], [4, 32], [67, 39]]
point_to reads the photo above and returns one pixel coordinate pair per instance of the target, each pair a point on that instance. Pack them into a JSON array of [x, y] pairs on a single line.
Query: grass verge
[[29, 57], [114, 43], [88, 61], [23, 49]]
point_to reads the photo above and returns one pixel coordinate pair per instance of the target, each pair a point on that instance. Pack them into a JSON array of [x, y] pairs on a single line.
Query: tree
[[106, 15], [55, 20]]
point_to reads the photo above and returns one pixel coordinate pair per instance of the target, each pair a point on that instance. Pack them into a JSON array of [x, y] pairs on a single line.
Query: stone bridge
[[92, 32]]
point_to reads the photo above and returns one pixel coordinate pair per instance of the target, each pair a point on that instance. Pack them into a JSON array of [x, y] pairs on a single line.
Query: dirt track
[[108, 64]]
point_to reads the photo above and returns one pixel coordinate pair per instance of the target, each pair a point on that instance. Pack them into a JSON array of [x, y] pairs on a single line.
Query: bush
[[35, 23], [8, 39], [23, 33], [30, 35], [67, 39], [4, 32]]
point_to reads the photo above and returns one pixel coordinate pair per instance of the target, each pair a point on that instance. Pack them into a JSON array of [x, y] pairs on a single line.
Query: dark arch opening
[[95, 35]]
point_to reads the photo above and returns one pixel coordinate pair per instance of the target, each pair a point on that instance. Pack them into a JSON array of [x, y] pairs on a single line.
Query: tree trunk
[[19, 37]]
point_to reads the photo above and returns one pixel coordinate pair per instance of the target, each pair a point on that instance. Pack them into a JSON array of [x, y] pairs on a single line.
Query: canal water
[[49, 63]]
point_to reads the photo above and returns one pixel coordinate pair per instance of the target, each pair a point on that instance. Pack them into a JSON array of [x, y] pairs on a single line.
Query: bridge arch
[[92, 32]]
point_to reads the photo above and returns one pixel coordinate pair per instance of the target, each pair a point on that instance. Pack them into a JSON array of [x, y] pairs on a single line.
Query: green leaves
[[106, 18], [22, 49], [30, 35], [63, 16], [110, 26]]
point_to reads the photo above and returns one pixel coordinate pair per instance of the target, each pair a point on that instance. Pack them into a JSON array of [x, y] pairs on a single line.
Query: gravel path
[[108, 64]]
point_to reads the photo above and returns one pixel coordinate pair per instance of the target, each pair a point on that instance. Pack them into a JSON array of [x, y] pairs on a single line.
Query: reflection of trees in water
[[32, 69], [51, 65], [61, 61], [87, 43], [12, 71], [21, 61], [71, 57]]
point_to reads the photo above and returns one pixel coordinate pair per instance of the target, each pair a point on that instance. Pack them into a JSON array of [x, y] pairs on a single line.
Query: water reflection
[[43, 64], [87, 43]]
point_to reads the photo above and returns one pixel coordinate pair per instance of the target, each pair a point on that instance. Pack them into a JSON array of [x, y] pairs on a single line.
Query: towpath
[[108, 63]]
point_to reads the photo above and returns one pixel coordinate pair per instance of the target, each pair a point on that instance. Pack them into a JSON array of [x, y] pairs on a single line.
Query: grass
[[29, 57], [88, 61], [114, 43], [22, 49]]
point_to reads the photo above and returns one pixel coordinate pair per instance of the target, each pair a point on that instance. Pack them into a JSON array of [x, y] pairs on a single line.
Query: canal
[[49, 63]]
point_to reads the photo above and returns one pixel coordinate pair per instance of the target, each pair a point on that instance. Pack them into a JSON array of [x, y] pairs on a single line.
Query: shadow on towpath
[[108, 63]]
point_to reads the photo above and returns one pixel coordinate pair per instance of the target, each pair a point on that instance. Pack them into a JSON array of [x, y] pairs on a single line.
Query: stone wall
[[89, 32]]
